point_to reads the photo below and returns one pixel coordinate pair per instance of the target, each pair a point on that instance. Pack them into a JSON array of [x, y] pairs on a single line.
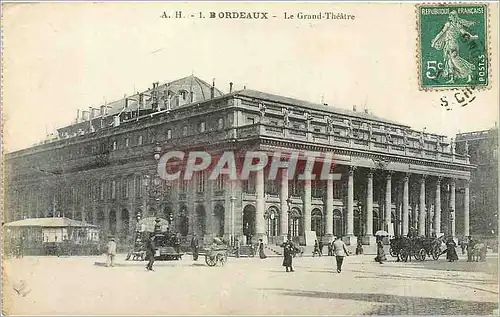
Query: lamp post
[[452, 215], [231, 238], [138, 242], [289, 205]]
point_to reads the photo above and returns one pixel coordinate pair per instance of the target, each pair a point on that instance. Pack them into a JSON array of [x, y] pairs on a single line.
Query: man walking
[[194, 247], [150, 252], [111, 253], [289, 249], [340, 251]]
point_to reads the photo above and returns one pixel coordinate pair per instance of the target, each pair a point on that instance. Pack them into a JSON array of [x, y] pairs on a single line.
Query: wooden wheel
[[403, 255], [221, 258], [436, 253], [421, 255], [210, 260]]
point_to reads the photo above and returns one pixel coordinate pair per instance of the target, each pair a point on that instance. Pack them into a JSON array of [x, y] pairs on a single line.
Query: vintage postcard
[[250, 158]]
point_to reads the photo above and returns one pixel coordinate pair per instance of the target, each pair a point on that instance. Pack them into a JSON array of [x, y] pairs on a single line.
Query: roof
[[306, 104], [51, 222], [200, 88]]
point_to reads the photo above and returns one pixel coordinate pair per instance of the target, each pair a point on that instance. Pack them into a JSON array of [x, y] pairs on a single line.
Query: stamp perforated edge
[[487, 46]]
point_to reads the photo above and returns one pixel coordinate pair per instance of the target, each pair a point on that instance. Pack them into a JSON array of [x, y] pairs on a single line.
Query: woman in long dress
[[451, 252], [380, 258], [262, 255], [455, 67]]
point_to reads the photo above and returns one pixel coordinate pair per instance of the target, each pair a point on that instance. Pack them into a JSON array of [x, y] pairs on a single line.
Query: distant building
[[102, 169], [482, 147]]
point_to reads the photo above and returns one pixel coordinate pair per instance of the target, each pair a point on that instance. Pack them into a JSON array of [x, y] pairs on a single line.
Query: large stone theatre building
[[103, 169]]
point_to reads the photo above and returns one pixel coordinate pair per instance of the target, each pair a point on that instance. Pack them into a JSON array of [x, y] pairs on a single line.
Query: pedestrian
[[359, 248], [262, 254], [111, 252], [177, 243], [320, 245], [340, 251], [451, 253], [330, 248], [470, 249], [237, 247], [150, 252], [380, 258], [316, 248], [288, 252], [195, 247]]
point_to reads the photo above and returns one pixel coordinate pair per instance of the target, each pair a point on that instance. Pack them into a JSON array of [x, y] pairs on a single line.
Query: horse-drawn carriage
[[404, 248]]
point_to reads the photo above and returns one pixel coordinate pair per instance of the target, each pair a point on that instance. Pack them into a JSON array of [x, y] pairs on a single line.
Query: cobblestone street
[[79, 285]]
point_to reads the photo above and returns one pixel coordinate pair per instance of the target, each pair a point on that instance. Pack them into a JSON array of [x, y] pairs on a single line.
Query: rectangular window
[[126, 142], [337, 190], [220, 182], [125, 188], [113, 189], [250, 120], [101, 191], [139, 140], [138, 185], [169, 134], [115, 145], [220, 124], [200, 182], [202, 126]]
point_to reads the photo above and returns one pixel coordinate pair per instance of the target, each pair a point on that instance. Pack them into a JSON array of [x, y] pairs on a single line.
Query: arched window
[[317, 223], [295, 222], [338, 223], [272, 220]]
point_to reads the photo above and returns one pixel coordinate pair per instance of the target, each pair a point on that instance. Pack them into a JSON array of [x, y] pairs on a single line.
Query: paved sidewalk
[[251, 286]]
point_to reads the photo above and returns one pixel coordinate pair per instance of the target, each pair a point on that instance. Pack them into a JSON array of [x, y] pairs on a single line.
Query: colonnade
[[434, 182]]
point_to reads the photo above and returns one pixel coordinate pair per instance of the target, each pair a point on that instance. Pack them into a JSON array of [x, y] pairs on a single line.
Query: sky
[[60, 57]]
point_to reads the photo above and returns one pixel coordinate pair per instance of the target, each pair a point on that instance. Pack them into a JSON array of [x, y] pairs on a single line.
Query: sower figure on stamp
[[448, 41]]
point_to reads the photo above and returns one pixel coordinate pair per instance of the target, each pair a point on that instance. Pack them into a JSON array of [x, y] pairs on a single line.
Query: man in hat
[[340, 251], [111, 252], [150, 252]]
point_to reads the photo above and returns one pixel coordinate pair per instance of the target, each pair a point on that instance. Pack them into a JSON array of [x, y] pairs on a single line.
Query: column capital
[[352, 168], [467, 182], [370, 173], [438, 180], [423, 177], [406, 176], [452, 181], [388, 175]]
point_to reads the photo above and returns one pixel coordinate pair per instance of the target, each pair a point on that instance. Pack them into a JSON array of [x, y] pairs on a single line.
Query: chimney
[[77, 115], [354, 108], [230, 87], [103, 110], [212, 90]]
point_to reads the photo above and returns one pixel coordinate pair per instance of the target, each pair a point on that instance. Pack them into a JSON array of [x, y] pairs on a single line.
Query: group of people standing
[[339, 249]]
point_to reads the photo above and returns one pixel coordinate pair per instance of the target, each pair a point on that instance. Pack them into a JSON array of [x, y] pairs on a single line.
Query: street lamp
[[452, 214], [232, 240], [289, 205]]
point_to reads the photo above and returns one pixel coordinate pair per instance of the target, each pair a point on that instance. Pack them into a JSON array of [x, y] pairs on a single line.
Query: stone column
[[388, 204], [421, 209], [284, 205], [369, 238], [350, 239], [329, 209], [437, 208], [466, 209], [307, 205], [118, 220], [369, 204], [452, 207], [406, 218], [260, 229]]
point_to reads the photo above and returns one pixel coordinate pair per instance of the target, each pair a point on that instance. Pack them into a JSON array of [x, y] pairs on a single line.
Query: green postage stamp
[[453, 45]]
